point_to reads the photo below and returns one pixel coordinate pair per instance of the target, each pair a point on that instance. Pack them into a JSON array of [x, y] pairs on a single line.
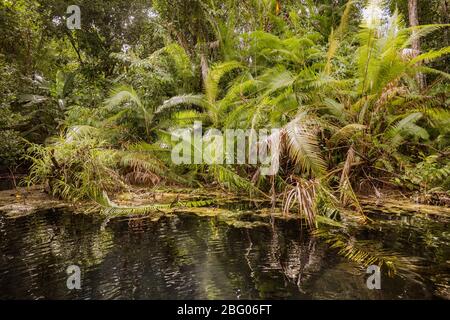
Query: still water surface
[[191, 257]]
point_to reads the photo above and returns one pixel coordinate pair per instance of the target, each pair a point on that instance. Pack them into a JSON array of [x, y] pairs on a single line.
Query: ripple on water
[[188, 257]]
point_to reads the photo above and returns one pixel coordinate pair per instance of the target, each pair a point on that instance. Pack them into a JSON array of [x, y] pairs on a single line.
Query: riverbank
[[23, 201]]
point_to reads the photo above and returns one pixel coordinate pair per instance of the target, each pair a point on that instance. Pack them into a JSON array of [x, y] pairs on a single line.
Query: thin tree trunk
[[445, 19], [13, 178], [72, 42], [204, 67], [413, 22]]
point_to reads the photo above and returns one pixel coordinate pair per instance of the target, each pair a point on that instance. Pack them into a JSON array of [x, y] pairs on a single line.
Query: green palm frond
[[187, 100], [181, 59], [430, 55], [438, 118], [397, 132], [187, 117], [64, 84], [111, 209], [346, 132], [278, 79], [335, 109], [424, 69], [239, 116], [123, 94], [336, 36], [143, 162], [156, 61], [236, 93], [231, 180], [81, 132], [196, 203], [303, 146], [260, 40], [418, 32], [214, 76]]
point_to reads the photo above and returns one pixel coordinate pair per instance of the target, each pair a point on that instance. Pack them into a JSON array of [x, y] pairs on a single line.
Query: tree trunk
[[204, 67], [444, 20], [413, 22]]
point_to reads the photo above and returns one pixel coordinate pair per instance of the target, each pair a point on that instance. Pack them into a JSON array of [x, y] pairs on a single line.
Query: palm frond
[[303, 147], [418, 32], [214, 76], [313, 200], [347, 194], [231, 180], [346, 133], [336, 36], [196, 203], [123, 94], [81, 132], [430, 55], [187, 100], [181, 58], [398, 131]]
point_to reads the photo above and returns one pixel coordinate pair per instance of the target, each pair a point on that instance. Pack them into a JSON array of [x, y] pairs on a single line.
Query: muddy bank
[[397, 205], [24, 201]]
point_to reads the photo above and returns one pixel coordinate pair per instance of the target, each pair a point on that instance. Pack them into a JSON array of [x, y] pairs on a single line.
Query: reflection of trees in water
[[303, 259], [296, 256], [174, 258], [156, 260], [259, 262], [191, 257], [188, 257], [37, 249], [177, 257]]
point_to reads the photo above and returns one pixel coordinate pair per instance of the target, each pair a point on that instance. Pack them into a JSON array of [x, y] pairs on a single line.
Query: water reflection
[[179, 257], [35, 250]]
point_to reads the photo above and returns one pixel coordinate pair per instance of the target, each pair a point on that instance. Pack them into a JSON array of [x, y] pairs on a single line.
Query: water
[[6, 184], [191, 257]]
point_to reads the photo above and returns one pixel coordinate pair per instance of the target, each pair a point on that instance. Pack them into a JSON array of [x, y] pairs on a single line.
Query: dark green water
[[190, 257]]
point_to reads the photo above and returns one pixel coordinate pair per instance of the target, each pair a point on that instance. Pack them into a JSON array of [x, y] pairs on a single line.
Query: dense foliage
[[92, 110]]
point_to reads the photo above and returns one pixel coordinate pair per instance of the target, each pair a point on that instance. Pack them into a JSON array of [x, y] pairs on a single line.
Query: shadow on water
[[191, 257], [6, 184]]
